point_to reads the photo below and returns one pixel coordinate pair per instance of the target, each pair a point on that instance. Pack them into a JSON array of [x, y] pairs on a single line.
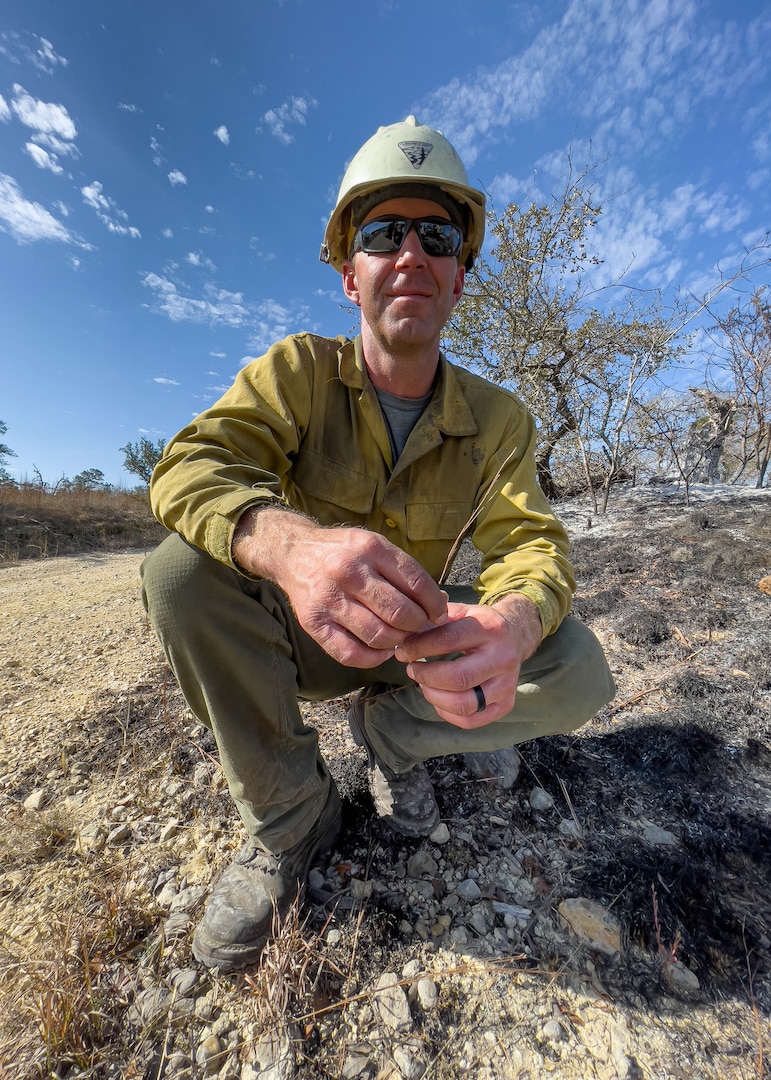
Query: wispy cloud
[[195, 258], [222, 134], [28, 221], [165, 382], [42, 116], [265, 320], [217, 307], [290, 113], [635, 71], [176, 177], [5, 111], [42, 158], [27, 46], [125, 107], [273, 321], [107, 211]]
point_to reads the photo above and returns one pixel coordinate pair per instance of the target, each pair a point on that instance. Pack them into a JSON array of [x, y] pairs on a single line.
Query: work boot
[[239, 916], [499, 767], [405, 801]]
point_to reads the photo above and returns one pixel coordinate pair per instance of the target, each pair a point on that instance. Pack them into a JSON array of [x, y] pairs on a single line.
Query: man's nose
[[411, 252]]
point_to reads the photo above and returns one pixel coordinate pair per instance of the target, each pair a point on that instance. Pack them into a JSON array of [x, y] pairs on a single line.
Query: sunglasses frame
[[408, 224]]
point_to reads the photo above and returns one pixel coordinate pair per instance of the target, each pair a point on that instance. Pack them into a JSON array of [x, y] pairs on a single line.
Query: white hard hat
[[407, 153]]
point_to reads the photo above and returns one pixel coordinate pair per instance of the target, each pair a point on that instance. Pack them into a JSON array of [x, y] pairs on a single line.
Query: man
[[315, 507]]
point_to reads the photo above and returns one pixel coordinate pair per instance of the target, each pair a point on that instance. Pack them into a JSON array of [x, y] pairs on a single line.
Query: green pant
[[242, 662]]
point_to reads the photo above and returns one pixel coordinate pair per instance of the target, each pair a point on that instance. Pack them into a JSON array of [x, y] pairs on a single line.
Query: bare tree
[[527, 320], [742, 341]]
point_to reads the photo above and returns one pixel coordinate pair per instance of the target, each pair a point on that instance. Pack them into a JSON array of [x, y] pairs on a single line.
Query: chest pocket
[[319, 480], [437, 520]]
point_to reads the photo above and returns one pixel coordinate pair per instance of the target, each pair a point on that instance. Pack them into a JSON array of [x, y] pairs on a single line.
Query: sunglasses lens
[[379, 236], [440, 238], [388, 234]]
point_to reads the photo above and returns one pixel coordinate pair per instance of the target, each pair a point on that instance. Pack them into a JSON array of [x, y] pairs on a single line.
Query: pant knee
[[176, 580]]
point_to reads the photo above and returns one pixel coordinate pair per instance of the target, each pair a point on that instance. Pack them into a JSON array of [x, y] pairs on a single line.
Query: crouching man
[[313, 510]]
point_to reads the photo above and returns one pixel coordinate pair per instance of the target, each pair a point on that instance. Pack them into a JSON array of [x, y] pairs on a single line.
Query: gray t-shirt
[[401, 415]]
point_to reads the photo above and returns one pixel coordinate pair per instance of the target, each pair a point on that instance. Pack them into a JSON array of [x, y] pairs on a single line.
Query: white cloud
[[165, 382], [54, 144], [274, 321], [42, 158], [210, 209], [125, 107], [635, 71], [31, 48], [107, 211], [28, 221], [43, 116], [176, 177], [167, 233], [293, 111], [217, 307], [5, 112], [266, 320], [47, 58], [195, 258], [223, 134], [158, 159]]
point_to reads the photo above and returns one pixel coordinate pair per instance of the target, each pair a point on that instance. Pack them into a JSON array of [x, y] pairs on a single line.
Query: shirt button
[[390, 523]]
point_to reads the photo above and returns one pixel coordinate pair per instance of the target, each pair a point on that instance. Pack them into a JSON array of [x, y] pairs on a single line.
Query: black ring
[[480, 695]]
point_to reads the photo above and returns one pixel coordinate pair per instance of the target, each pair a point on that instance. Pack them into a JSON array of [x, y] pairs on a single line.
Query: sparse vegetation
[[96, 975], [39, 523]]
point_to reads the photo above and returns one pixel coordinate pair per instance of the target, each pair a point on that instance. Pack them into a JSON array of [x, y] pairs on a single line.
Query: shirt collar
[[449, 409]]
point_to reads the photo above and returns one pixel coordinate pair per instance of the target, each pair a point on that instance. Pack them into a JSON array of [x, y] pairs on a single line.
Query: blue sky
[[166, 171]]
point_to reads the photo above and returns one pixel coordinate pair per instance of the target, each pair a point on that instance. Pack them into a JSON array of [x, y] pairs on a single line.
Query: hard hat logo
[[416, 152], [389, 161]]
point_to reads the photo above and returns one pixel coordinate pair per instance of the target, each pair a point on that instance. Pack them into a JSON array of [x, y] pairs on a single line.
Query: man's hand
[[355, 593], [489, 645]]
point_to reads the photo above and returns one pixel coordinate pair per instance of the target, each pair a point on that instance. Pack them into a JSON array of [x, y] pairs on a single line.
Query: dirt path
[[72, 628]]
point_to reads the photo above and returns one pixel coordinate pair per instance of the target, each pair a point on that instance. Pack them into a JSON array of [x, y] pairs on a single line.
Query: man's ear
[[350, 286], [457, 288]]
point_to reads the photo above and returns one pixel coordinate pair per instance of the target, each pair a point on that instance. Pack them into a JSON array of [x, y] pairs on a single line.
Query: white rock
[[91, 838], [428, 995], [119, 834], [409, 1066], [35, 800], [540, 799], [553, 1031], [440, 835], [391, 1002], [210, 1054], [275, 1057]]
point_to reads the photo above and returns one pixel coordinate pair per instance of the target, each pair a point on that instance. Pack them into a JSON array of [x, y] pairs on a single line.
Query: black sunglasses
[[387, 234]]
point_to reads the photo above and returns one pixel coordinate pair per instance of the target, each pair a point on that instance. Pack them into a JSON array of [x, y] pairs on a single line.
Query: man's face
[[405, 296]]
